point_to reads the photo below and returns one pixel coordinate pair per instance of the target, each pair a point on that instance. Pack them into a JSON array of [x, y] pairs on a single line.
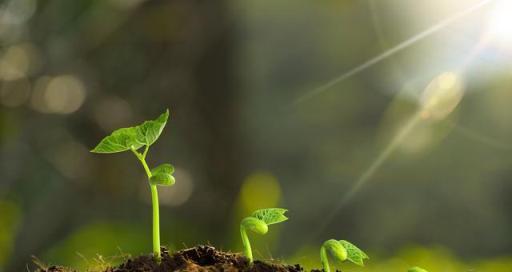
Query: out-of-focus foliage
[[10, 215]]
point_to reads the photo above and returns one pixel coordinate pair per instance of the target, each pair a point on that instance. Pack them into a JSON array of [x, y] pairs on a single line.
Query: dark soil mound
[[200, 258]]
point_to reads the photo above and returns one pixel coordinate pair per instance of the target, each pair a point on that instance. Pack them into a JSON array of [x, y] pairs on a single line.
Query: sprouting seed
[[258, 223], [341, 251]]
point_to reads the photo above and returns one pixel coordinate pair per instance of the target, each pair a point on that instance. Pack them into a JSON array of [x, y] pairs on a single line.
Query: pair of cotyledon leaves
[[133, 138], [162, 175]]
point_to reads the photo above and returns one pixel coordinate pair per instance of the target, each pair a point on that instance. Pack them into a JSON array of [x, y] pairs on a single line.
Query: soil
[[200, 258]]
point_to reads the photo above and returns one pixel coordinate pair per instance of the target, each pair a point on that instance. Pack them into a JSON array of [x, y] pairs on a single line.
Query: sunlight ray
[[374, 166], [401, 46], [480, 138], [437, 101]]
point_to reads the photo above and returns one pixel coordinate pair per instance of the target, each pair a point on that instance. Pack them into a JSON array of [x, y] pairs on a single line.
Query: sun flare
[[499, 27]]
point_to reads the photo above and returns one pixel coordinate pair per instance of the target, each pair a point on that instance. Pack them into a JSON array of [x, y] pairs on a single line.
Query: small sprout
[[341, 250], [258, 222], [416, 269], [133, 139]]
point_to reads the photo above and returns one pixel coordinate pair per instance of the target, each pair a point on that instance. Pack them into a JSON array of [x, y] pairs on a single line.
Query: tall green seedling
[[258, 223], [341, 251], [138, 138]]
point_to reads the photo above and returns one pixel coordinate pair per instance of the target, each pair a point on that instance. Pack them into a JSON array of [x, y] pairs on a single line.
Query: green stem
[[246, 244], [156, 222], [323, 258], [145, 152], [154, 203]]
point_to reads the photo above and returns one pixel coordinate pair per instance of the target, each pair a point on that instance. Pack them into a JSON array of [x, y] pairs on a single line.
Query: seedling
[[341, 250], [258, 222], [133, 139], [416, 269]]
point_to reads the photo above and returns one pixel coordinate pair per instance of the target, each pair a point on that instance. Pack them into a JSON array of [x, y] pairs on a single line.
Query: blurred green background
[[411, 158]]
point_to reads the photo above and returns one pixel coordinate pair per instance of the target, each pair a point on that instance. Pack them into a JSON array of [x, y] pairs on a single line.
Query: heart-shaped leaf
[[354, 254], [149, 131], [120, 140], [162, 175], [271, 215], [124, 139]]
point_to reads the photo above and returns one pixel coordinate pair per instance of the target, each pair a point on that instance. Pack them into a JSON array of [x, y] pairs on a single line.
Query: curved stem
[[246, 244], [146, 167], [324, 260]]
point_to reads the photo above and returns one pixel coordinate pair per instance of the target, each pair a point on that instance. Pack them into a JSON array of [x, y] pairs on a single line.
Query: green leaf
[[162, 175], [149, 131], [271, 216], [355, 254], [416, 269], [120, 140], [124, 139]]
